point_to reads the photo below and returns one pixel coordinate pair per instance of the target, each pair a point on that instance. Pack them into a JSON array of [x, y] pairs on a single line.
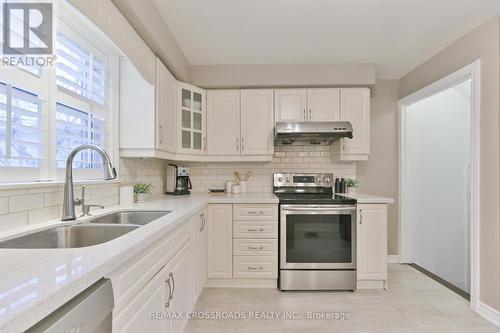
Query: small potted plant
[[351, 185], [142, 192]]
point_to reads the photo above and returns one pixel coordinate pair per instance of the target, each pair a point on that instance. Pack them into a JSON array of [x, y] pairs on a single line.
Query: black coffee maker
[[178, 182]]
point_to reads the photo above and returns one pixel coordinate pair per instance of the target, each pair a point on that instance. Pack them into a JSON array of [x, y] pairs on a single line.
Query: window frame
[[76, 27]]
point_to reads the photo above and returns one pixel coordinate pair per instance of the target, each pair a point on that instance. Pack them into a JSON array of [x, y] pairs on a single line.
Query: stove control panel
[[303, 180]]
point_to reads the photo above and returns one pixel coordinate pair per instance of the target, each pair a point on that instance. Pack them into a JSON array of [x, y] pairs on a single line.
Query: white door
[[290, 104], [192, 119], [323, 104], [180, 286], [166, 138], [355, 108], [220, 240], [372, 241], [257, 121], [135, 317], [223, 123]]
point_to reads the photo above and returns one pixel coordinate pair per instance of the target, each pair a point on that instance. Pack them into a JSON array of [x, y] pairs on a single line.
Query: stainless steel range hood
[[311, 133]]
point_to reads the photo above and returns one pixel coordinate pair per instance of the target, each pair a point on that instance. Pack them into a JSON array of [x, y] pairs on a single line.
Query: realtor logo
[[27, 28]]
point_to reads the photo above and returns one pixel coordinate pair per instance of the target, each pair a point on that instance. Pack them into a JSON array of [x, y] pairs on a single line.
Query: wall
[[282, 75], [379, 175], [482, 43], [29, 205], [147, 21], [286, 159]]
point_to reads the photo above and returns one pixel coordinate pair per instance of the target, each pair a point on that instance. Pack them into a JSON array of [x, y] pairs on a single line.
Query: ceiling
[[396, 35]]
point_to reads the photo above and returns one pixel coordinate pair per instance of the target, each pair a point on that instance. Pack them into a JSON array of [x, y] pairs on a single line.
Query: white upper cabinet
[[166, 112], [290, 105], [316, 104], [323, 104], [147, 113], [223, 110], [355, 108], [257, 122], [240, 124], [192, 117]]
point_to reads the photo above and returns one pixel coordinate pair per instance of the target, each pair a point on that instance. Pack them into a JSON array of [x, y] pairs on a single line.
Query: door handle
[[360, 216], [205, 144], [256, 248], [310, 115], [237, 144], [170, 294], [242, 144], [256, 230], [202, 222], [161, 133], [305, 115]]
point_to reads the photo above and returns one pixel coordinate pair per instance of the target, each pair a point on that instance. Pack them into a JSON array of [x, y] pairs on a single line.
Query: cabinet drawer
[[253, 247], [255, 229], [258, 212], [255, 267]]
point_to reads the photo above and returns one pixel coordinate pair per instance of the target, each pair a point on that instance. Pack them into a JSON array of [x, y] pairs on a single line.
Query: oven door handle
[[320, 208]]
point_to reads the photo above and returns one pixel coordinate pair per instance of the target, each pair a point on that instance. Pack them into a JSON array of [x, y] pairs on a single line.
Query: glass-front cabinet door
[[192, 132]]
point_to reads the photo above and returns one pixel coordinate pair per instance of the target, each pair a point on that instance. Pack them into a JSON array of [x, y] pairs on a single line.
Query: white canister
[[236, 189], [243, 185], [126, 195], [229, 186]]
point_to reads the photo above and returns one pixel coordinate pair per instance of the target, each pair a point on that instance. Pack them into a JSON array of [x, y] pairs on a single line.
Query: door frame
[[473, 72]]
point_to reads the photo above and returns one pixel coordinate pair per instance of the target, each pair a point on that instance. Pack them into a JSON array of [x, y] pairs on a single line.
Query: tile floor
[[414, 303]]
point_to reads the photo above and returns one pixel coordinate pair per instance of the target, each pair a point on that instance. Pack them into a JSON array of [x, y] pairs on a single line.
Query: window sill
[[53, 183]]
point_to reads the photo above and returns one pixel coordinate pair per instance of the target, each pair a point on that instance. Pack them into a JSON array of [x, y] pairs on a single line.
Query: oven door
[[318, 237]]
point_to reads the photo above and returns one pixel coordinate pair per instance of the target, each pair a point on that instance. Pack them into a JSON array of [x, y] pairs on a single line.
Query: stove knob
[[280, 179], [287, 179], [327, 179], [319, 180]]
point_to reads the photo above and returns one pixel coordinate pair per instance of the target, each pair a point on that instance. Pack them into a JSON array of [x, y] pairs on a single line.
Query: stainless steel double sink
[[98, 230]]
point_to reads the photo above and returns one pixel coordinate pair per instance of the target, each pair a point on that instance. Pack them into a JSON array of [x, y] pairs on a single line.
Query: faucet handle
[[86, 209], [81, 201]]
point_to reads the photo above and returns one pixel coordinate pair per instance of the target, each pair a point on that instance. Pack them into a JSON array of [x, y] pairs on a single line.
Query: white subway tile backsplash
[[43, 214], [25, 202], [18, 207], [12, 221]]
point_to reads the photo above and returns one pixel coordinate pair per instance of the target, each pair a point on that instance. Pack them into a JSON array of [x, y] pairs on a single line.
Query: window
[[74, 128], [47, 112], [21, 128]]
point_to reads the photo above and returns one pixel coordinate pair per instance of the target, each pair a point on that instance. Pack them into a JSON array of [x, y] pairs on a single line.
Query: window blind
[[21, 128], [79, 70], [73, 128]]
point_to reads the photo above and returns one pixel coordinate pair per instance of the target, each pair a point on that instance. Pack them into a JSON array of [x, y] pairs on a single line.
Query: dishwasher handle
[[89, 311]]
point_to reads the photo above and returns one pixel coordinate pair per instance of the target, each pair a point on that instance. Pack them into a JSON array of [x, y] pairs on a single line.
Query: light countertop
[[362, 198], [35, 282]]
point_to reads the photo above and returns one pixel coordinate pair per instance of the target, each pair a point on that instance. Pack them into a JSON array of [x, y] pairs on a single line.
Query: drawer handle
[[255, 268], [256, 248], [256, 230], [255, 212]]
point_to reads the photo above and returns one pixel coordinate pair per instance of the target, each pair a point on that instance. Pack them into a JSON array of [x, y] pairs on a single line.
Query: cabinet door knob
[[237, 144]]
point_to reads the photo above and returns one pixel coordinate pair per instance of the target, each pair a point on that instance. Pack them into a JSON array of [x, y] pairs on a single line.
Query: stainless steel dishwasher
[[88, 312]]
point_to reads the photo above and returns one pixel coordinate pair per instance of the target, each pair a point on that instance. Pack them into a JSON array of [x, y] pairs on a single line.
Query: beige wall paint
[[482, 43], [282, 75], [146, 20], [379, 175]]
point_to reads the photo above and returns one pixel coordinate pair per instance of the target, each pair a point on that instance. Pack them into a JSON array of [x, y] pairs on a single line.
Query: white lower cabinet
[[136, 316], [220, 241], [372, 245], [168, 292], [165, 279]]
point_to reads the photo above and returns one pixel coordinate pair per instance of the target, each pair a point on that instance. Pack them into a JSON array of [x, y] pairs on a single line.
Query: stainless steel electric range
[[317, 234]]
